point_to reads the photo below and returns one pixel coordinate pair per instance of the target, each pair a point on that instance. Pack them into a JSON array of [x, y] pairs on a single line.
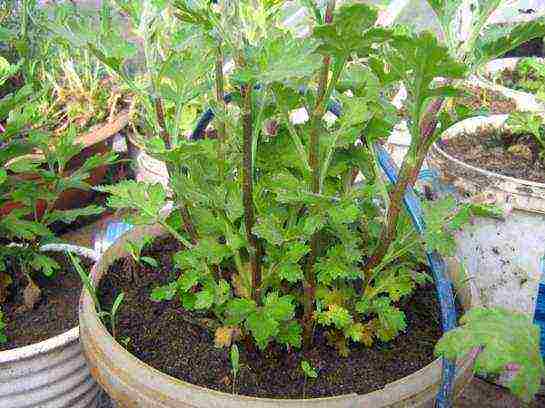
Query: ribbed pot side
[[501, 256], [132, 383], [49, 374]]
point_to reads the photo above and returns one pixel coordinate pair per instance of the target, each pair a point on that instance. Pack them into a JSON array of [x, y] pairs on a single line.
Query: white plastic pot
[[502, 256], [524, 101], [50, 374]]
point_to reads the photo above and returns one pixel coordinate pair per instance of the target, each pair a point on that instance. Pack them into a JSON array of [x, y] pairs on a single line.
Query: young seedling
[[87, 284], [3, 337], [521, 123], [309, 372], [235, 363], [113, 313]]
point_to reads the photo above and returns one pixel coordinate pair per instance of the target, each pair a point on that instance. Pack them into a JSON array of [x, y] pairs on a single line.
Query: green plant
[[528, 76], [135, 251], [309, 372], [299, 198], [504, 340], [527, 123], [35, 170], [86, 281], [3, 337], [277, 235], [113, 313], [234, 356]]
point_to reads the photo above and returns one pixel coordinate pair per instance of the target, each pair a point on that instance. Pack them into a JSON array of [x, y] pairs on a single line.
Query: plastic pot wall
[[501, 256], [524, 101], [49, 374], [132, 383]]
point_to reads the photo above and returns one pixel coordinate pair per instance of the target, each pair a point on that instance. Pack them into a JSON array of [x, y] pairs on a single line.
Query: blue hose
[[437, 265], [412, 204]]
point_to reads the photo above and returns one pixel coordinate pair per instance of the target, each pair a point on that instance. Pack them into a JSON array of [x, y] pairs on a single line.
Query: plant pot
[[502, 256], [95, 142], [147, 169], [49, 374], [524, 101], [132, 383]]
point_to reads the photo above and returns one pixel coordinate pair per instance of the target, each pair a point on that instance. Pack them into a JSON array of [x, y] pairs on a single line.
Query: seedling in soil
[[234, 356], [3, 337], [113, 313], [309, 372]]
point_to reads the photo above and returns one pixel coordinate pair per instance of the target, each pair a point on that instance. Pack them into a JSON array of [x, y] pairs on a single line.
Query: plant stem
[[247, 190], [160, 113], [220, 94], [184, 212], [309, 284], [408, 175]]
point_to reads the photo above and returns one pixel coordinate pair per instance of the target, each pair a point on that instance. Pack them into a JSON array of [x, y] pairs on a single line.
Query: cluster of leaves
[[522, 124], [528, 76], [504, 341], [35, 170], [272, 221], [215, 274]]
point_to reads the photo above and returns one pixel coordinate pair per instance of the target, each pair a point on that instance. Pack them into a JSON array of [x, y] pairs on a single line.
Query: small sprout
[[3, 337], [234, 355], [309, 372], [113, 314]]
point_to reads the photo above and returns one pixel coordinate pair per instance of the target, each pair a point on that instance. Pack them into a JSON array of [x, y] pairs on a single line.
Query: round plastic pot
[[132, 383], [502, 256], [524, 101], [50, 374]]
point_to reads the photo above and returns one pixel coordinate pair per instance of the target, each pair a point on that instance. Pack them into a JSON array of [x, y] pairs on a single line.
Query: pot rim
[[90, 320], [477, 122], [42, 347]]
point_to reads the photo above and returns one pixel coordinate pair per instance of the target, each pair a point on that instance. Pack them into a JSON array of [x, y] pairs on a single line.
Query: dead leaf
[[31, 295], [240, 287], [226, 335], [5, 281]]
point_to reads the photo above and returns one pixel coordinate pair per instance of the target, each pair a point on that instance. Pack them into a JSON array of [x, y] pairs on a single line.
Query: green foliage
[[253, 265], [308, 370], [234, 357], [527, 123], [504, 340], [3, 337]]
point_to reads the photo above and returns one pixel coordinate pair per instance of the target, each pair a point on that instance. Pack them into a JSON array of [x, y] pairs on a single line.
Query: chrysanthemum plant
[[286, 225]]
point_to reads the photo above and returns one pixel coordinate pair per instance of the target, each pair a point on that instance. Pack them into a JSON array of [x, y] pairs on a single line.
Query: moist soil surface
[[161, 335], [56, 312], [499, 152]]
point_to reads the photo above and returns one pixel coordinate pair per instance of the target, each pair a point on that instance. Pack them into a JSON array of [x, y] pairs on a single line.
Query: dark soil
[[486, 101], [161, 335], [532, 48], [55, 313], [502, 153]]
